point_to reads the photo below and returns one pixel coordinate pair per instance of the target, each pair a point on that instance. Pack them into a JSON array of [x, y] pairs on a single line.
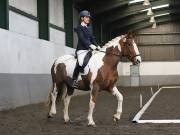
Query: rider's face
[[86, 19]]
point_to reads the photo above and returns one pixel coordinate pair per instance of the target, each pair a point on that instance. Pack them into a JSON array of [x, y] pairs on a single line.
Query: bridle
[[128, 48], [122, 54]]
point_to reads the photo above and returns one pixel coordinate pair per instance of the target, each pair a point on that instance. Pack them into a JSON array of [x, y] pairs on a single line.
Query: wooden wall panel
[[161, 44]]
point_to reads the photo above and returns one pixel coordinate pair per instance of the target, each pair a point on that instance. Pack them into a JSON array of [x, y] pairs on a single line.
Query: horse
[[102, 75]]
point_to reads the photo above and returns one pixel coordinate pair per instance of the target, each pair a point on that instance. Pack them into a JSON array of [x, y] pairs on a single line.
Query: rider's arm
[[81, 37], [93, 40]]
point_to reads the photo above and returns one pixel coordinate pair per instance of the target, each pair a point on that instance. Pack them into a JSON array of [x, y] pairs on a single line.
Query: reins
[[118, 54], [105, 53]]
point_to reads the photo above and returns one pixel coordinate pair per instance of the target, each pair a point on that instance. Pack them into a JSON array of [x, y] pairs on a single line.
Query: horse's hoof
[[49, 116], [92, 125], [67, 122], [115, 119]]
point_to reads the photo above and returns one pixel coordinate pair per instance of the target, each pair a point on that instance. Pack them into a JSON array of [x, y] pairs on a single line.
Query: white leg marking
[[64, 93], [120, 101], [66, 106], [90, 114], [53, 98]]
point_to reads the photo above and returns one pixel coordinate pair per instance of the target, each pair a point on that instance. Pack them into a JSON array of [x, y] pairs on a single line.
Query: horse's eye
[[129, 45]]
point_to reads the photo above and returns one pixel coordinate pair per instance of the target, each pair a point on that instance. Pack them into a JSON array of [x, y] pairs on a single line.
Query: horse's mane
[[114, 42]]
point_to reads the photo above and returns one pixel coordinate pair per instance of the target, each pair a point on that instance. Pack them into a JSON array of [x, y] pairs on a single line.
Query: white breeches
[[80, 56]]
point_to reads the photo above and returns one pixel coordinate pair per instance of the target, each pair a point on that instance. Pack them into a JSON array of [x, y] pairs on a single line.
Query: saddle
[[79, 68]]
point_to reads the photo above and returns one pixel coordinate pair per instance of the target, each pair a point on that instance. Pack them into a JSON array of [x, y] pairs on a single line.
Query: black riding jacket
[[85, 38]]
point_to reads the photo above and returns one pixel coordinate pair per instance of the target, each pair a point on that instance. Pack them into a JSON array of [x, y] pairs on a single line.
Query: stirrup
[[81, 69], [74, 84]]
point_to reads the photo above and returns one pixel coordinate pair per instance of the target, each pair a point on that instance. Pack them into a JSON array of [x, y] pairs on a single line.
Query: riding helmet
[[84, 13]]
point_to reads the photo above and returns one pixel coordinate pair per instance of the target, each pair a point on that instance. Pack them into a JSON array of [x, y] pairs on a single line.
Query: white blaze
[[136, 51]]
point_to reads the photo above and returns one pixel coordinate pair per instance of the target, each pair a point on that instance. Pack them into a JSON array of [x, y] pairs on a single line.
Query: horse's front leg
[[119, 97], [93, 96]]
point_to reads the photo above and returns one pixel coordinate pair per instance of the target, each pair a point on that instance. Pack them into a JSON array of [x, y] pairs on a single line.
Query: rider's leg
[[80, 57]]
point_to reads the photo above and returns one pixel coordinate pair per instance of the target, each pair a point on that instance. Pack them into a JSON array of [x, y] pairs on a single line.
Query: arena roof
[[123, 15]]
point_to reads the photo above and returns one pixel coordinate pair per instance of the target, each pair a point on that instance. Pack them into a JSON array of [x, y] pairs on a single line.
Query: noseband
[[131, 57]]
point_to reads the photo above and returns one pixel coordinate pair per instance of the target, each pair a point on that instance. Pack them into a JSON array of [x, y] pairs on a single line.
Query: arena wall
[[151, 73], [25, 68]]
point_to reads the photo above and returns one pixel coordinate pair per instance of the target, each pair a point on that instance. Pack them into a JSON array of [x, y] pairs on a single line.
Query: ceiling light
[[154, 25], [162, 14], [152, 20], [161, 6], [135, 1], [156, 7], [146, 3], [150, 12]]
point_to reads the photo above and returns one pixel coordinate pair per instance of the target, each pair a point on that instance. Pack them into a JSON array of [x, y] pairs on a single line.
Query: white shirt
[[83, 24]]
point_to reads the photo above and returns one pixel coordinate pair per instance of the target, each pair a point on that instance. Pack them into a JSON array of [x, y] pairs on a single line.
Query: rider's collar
[[83, 24]]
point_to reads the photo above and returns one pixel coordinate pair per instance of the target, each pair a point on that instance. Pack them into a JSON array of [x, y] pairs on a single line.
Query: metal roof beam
[[99, 6], [146, 23], [128, 11], [138, 18], [103, 7]]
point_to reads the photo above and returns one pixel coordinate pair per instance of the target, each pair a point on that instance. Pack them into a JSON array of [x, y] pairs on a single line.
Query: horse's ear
[[131, 35], [128, 35]]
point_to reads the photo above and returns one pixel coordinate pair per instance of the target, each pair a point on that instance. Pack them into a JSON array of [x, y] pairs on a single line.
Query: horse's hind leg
[[56, 94], [119, 97], [52, 101], [67, 99]]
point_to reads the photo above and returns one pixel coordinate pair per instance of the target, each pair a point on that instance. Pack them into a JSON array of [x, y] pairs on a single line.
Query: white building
[[32, 35]]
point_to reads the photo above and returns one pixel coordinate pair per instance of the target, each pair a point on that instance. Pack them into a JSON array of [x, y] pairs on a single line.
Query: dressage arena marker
[[140, 98], [144, 108], [152, 91]]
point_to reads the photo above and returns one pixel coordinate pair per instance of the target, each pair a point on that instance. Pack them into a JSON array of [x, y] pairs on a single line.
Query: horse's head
[[129, 48]]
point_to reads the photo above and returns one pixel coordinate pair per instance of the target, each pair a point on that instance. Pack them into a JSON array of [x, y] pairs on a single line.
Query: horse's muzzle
[[137, 62]]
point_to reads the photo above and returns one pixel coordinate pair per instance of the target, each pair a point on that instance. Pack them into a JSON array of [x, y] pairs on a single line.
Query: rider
[[86, 41]]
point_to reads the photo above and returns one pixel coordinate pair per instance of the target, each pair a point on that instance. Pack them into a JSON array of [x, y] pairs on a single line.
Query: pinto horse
[[102, 75]]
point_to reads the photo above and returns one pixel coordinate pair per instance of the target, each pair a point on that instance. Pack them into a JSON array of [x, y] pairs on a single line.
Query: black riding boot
[[75, 76]]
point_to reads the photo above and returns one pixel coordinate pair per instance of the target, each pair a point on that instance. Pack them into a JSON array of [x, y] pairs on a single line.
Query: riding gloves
[[93, 47]]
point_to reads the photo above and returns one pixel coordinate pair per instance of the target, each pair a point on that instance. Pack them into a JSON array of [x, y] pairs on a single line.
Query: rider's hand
[[98, 48], [93, 47]]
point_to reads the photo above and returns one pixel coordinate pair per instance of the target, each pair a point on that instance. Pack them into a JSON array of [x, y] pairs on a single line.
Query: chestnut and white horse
[[102, 75]]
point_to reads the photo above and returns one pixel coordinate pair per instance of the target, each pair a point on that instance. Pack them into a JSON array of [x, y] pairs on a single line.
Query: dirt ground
[[165, 106], [31, 119]]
